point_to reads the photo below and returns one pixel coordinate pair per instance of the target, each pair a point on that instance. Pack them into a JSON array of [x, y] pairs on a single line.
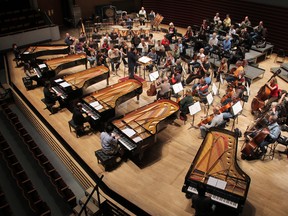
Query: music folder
[[236, 108]]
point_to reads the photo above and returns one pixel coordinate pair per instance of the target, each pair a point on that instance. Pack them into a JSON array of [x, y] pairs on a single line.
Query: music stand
[[215, 90], [194, 109], [236, 110], [209, 99], [153, 76]]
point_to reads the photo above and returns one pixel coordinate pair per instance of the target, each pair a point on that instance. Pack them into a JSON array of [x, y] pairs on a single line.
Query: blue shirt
[[108, 143], [226, 45], [274, 130]]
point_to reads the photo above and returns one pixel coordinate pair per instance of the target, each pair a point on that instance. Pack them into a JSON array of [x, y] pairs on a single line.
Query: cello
[[263, 94]]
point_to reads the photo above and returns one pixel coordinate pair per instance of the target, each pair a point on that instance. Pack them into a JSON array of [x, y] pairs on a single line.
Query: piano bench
[[107, 161], [76, 128], [50, 107]]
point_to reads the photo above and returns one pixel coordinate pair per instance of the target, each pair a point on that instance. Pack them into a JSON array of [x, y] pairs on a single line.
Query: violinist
[[216, 121], [171, 32], [272, 134], [188, 34], [232, 77], [153, 55], [144, 47], [200, 71], [136, 40], [166, 43], [222, 69]]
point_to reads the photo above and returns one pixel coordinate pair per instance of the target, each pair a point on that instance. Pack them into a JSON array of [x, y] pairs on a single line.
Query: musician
[[82, 37], [108, 38], [216, 19], [200, 71], [245, 39], [232, 30], [213, 41], [17, 53], [151, 17], [235, 75], [132, 62], [91, 56], [274, 94], [245, 22], [166, 43], [113, 54], [153, 55], [202, 204], [114, 35], [227, 43], [159, 47], [50, 97], [182, 48], [163, 86], [258, 32], [222, 69], [136, 40], [227, 22], [79, 119], [109, 141], [185, 102], [151, 40], [216, 121], [69, 40], [101, 59], [171, 32], [188, 35], [144, 47], [207, 79], [105, 46], [272, 134], [175, 77], [176, 51], [142, 16], [204, 26]]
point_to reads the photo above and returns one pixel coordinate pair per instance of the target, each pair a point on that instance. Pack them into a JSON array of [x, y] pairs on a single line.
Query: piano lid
[[216, 158]]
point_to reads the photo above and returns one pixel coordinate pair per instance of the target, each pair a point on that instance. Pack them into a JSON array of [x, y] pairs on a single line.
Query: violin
[[207, 120]]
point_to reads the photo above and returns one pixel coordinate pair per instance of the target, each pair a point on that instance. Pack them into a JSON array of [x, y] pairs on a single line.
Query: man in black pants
[[132, 62], [203, 205]]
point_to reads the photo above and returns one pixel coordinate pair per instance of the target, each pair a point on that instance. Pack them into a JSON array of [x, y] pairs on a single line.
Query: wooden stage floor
[[156, 185]]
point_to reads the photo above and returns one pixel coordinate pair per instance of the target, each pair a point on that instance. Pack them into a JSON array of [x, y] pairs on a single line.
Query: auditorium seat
[[42, 209], [48, 167], [42, 159], [69, 196], [36, 152], [54, 176]]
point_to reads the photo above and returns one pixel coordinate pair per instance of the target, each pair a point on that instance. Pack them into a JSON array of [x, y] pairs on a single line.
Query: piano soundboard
[[215, 165]]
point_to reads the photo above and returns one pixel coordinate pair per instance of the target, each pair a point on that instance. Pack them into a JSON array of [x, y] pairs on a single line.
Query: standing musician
[[272, 134], [216, 121]]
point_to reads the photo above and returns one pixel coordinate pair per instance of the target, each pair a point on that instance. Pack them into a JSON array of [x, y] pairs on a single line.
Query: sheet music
[[64, 84], [26, 52], [153, 76], [237, 108], [221, 79], [209, 98], [129, 132], [214, 89], [98, 107], [217, 183], [144, 59], [42, 66], [248, 89], [177, 87], [94, 104], [58, 80], [137, 139], [194, 108]]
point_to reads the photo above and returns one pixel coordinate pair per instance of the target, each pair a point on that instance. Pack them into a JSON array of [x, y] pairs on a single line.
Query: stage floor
[[155, 185]]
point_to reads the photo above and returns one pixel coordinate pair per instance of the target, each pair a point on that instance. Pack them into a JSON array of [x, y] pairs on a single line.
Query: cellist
[[272, 134], [273, 86]]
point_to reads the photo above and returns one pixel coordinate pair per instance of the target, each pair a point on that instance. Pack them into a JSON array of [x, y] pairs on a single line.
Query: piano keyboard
[[37, 72], [58, 90], [87, 109], [127, 143], [215, 198]]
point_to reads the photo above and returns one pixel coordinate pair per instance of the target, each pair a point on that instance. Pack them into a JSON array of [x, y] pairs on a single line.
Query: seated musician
[[232, 30], [153, 55], [207, 79], [144, 47], [184, 104], [274, 94], [200, 71], [91, 56], [109, 141], [114, 35], [188, 35], [213, 41], [272, 134], [82, 37], [182, 48], [166, 43], [226, 46], [79, 119], [204, 26], [79, 46], [176, 51], [101, 59], [176, 77], [245, 39], [245, 22], [69, 40], [170, 61], [142, 16], [159, 47], [50, 97], [216, 19], [227, 22], [217, 120], [163, 86], [136, 40], [202, 204], [236, 73], [105, 46], [222, 69], [171, 32], [113, 55]]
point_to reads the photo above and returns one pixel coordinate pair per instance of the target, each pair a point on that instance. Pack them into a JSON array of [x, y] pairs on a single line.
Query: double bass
[[249, 151], [263, 94]]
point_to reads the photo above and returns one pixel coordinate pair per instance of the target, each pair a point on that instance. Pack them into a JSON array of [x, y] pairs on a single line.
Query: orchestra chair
[[115, 61], [107, 161], [270, 151], [282, 140], [280, 55]]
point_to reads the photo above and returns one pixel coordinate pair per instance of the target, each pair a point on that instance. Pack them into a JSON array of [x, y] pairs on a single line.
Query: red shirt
[[274, 93]]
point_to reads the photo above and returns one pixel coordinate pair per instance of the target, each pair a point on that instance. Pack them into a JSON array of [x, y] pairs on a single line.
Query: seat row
[[55, 178], [36, 204], [5, 208]]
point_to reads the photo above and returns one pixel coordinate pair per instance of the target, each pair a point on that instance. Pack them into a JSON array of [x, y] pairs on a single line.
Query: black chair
[[280, 55], [107, 161]]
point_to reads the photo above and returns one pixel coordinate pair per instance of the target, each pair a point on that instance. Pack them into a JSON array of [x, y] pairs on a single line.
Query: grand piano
[[138, 129], [33, 52], [105, 101], [73, 85], [52, 67], [215, 165]]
